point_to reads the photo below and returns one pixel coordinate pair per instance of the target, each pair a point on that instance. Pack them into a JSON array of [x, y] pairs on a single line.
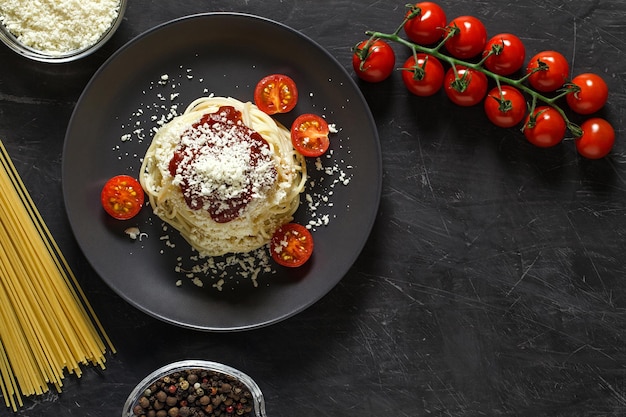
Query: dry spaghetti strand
[[47, 326]]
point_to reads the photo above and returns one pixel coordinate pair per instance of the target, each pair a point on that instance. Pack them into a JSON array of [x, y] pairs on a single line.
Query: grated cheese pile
[[58, 26]]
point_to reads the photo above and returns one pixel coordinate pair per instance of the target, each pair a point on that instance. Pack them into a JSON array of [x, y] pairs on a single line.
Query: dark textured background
[[493, 282]]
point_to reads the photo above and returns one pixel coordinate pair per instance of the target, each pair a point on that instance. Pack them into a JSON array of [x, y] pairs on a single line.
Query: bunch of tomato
[[459, 57]]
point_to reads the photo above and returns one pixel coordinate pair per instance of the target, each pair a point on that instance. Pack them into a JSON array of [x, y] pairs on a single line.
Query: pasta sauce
[[221, 164]]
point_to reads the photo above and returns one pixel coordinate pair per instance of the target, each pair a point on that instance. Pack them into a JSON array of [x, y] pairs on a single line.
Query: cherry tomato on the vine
[[505, 106], [276, 93], [550, 70], [469, 39], [508, 54], [309, 135], [597, 138], [466, 89], [545, 127], [423, 77], [122, 197], [589, 95], [373, 61], [427, 24], [291, 245]]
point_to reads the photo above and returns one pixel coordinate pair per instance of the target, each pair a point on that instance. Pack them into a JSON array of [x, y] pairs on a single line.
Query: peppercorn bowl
[[60, 31], [183, 388]]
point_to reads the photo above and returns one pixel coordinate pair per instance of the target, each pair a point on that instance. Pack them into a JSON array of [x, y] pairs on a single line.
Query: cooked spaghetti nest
[[269, 205]]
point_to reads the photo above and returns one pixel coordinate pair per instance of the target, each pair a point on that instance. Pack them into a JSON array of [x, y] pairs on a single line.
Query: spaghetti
[[47, 326], [224, 174]]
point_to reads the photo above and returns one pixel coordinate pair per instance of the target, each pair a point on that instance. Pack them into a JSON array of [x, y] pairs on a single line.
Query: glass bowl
[[12, 41], [178, 375]]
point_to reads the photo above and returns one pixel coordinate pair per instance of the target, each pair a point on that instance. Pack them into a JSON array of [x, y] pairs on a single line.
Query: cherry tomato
[[505, 107], [589, 95], [551, 70], [545, 127], [427, 25], [508, 54], [276, 93], [469, 39], [468, 89], [373, 61], [291, 245], [309, 135], [423, 77], [597, 138], [122, 197]]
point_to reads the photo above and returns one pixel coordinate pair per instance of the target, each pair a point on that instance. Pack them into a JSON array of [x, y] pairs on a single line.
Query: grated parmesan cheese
[[58, 26]]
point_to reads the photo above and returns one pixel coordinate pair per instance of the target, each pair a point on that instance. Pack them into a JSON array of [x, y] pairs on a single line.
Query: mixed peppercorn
[[195, 393]]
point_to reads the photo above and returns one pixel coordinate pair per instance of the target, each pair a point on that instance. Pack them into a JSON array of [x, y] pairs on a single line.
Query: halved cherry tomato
[[469, 39], [276, 93], [291, 245], [427, 25], [373, 61], [549, 70], [589, 93], [597, 138], [545, 127], [309, 135], [122, 197], [508, 54]]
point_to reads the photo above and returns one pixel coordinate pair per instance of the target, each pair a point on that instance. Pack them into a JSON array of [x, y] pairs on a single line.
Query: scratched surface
[[493, 281]]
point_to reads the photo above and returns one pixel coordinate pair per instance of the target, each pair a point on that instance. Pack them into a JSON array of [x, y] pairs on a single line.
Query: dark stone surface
[[493, 281]]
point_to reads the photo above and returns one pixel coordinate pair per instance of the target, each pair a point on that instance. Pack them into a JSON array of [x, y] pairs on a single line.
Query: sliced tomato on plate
[[122, 197], [276, 93], [291, 245], [309, 135]]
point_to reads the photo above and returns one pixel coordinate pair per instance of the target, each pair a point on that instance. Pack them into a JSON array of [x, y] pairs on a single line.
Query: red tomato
[[508, 54], [423, 77], [373, 61], [469, 38], [291, 245], [309, 135], [505, 107], [589, 95], [597, 138], [549, 70], [276, 93], [545, 127], [427, 24], [468, 89], [122, 197]]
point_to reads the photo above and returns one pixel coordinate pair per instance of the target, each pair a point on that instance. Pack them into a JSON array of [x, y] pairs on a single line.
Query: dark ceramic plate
[[168, 66]]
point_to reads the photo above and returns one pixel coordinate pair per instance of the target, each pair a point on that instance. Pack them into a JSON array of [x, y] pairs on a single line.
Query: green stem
[[499, 79]]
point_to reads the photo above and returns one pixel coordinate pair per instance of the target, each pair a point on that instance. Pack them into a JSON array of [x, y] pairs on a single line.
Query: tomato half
[[469, 39], [424, 76], [507, 54], [122, 197], [276, 93], [589, 95], [549, 71], [505, 106], [427, 24], [291, 245], [309, 135], [597, 138], [373, 61], [545, 127], [468, 89]]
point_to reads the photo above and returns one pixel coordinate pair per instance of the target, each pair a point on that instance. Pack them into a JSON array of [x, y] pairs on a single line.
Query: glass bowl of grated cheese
[[58, 31]]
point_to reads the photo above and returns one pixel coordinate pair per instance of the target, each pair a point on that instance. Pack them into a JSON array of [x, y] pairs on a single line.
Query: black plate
[[224, 54]]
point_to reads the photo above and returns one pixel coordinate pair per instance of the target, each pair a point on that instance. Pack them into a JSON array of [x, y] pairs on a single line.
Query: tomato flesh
[[276, 93], [291, 245], [309, 135], [122, 197]]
